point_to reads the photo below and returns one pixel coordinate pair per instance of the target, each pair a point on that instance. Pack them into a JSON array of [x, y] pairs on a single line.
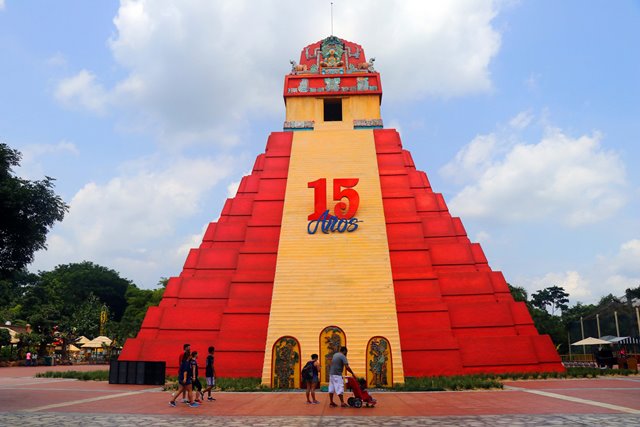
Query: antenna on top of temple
[[331, 18]]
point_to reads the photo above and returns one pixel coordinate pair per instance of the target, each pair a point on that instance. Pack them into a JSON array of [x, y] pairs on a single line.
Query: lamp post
[[584, 348]]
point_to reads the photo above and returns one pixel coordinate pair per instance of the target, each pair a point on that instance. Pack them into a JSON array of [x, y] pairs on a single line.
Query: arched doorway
[[379, 366], [285, 363], [331, 339]]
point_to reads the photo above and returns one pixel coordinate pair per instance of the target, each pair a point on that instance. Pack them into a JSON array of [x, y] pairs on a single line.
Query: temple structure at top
[[335, 238]]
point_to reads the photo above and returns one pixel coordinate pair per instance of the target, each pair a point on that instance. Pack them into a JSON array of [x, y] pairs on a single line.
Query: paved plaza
[[29, 401]]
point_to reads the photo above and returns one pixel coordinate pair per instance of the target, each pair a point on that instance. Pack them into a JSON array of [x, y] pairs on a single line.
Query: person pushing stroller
[[339, 362]]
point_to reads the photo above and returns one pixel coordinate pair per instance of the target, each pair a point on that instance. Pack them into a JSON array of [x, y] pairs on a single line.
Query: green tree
[[609, 301], [28, 210], [12, 291], [571, 320], [138, 301], [65, 302], [29, 341], [553, 298], [631, 294], [551, 325], [5, 337], [73, 283], [518, 293], [84, 319]]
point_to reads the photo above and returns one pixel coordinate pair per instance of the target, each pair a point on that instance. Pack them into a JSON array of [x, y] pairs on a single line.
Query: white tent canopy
[[82, 340], [591, 341], [97, 342], [13, 334], [613, 339]]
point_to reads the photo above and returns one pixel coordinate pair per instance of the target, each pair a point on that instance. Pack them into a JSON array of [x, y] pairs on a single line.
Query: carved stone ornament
[[332, 84], [368, 123], [299, 125], [332, 49]]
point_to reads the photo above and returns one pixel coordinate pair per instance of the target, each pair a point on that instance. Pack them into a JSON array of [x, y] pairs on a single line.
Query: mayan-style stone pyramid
[[335, 238]]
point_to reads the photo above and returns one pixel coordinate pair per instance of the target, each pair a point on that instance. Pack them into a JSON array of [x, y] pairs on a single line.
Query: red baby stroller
[[360, 394]]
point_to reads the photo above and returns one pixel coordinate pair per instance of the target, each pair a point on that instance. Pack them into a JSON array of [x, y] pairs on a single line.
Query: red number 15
[[342, 188]]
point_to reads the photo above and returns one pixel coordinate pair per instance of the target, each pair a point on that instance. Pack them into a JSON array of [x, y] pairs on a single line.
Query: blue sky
[[524, 114]]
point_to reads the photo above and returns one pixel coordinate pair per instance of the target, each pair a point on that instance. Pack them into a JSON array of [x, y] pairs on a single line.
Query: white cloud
[[130, 222], [57, 60], [627, 260], [190, 242], [471, 162], [198, 67], [573, 180], [1, 4], [32, 155], [482, 237], [394, 124], [522, 120], [604, 275], [532, 82], [427, 48], [621, 270], [82, 91], [579, 288], [232, 189], [31, 152]]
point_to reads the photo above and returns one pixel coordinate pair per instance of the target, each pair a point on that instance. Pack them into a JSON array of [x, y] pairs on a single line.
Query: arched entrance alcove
[[331, 339], [285, 363], [379, 366]]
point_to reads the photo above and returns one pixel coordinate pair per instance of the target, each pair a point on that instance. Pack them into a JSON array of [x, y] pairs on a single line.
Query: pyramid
[[335, 238]]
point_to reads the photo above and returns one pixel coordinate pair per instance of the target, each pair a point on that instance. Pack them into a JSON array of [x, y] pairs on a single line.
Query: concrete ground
[[26, 400]]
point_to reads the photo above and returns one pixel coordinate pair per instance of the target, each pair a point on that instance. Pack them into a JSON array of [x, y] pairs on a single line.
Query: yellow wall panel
[[361, 107], [341, 279]]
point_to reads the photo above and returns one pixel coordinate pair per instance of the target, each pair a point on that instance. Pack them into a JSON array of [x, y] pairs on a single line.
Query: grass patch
[[570, 373], [492, 381], [78, 375], [440, 383], [454, 383]]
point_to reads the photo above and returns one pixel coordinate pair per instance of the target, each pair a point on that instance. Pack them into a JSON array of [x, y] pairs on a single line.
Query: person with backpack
[[309, 375]]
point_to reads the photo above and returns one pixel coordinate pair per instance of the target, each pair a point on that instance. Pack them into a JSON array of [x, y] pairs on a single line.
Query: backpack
[[307, 371]]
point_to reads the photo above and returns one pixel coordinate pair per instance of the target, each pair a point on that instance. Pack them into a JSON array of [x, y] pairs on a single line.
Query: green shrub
[[456, 382], [79, 375], [487, 381]]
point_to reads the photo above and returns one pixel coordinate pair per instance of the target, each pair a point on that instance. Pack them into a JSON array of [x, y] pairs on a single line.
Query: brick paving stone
[[24, 419]]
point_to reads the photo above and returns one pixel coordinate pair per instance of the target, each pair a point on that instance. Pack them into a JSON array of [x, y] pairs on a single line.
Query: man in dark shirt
[[210, 374], [186, 352]]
